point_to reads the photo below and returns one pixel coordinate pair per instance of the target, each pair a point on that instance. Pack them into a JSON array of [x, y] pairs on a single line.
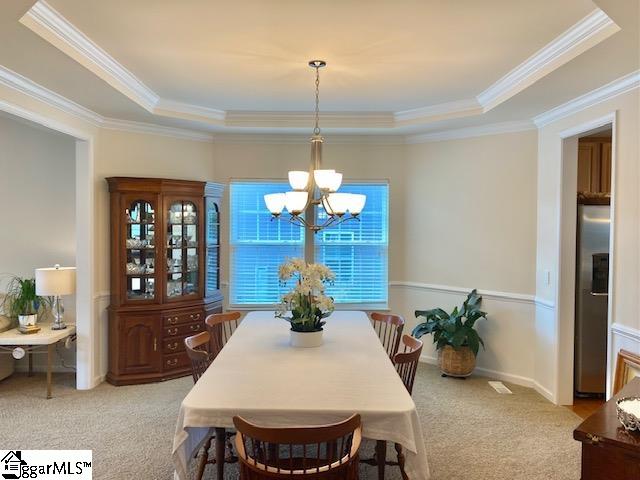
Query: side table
[[44, 340]]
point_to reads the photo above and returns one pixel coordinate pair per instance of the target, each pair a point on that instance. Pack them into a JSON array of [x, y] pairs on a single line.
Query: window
[[258, 245], [355, 251]]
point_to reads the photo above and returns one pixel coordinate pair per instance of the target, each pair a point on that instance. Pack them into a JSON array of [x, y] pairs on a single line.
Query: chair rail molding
[[487, 294], [627, 332]]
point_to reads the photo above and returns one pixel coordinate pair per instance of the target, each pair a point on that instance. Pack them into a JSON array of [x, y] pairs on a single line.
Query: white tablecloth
[[259, 376]]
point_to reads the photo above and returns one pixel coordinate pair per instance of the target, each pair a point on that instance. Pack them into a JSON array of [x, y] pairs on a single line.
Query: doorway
[[593, 234], [568, 281]]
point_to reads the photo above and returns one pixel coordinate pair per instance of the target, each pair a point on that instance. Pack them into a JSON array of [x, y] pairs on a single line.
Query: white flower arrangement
[[308, 304]]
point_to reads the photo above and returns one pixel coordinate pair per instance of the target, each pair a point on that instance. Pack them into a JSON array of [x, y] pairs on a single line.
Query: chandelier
[[317, 187]]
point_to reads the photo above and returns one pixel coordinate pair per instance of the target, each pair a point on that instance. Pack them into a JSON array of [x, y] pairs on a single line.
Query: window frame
[[308, 246]]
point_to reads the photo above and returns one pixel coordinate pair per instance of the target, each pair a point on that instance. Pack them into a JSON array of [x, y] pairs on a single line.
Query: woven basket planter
[[456, 362]]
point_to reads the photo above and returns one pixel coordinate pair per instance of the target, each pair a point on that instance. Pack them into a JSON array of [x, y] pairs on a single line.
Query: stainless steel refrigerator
[[592, 284]]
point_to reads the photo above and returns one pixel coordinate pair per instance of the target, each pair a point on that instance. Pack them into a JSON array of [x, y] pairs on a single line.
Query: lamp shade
[[338, 203], [275, 202], [335, 182], [324, 178], [296, 201], [55, 281], [356, 203], [298, 179]]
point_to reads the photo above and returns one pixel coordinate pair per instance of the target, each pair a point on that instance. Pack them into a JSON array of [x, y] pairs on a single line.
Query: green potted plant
[[21, 302], [306, 306], [454, 334]]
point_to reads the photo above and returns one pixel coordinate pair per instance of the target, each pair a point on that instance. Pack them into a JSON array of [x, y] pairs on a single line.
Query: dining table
[[258, 375]]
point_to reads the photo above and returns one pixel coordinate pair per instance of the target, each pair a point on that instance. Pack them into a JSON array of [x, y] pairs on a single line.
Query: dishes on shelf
[[174, 241], [136, 243], [137, 269]]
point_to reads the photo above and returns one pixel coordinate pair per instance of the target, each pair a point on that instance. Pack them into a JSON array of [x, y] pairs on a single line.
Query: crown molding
[[589, 31], [469, 132], [25, 86], [442, 111], [303, 139], [154, 129], [617, 87], [305, 119], [28, 87], [185, 111], [47, 22]]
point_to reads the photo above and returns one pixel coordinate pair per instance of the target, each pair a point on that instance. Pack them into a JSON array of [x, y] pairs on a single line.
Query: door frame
[[87, 342], [566, 258]]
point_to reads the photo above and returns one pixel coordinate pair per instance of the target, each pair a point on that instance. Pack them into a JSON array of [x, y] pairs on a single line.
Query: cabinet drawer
[[173, 345], [175, 360], [179, 318], [188, 329]]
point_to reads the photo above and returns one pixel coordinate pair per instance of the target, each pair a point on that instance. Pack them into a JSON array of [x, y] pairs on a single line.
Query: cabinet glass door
[[213, 248], [182, 249], [141, 252]]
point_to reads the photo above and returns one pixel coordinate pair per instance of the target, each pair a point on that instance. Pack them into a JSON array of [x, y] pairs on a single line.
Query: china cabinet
[[165, 274]]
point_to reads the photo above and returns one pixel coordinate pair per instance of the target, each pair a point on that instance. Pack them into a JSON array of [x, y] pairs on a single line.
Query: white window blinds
[[358, 251], [258, 245]]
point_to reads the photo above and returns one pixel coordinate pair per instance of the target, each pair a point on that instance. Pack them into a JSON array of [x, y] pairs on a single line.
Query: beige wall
[[454, 222], [37, 189], [473, 212], [126, 154], [551, 356], [359, 162]]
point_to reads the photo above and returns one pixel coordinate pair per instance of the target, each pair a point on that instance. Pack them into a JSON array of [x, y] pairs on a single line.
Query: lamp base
[[58, 313]]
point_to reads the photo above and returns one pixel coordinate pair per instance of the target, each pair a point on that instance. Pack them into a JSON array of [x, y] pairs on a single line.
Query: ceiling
[[241, 66]]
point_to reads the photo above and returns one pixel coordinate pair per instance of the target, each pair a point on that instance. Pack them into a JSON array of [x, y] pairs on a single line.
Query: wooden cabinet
[[165, 275], [609, 452], [594, 165]]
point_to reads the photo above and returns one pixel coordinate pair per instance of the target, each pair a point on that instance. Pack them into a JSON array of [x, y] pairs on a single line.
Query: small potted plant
[[306, 306], [21, 302], [454, 334]]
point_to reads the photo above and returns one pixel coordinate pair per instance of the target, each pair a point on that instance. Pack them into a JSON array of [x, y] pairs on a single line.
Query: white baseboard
[[98, 380], [487, 372], [544, 392]]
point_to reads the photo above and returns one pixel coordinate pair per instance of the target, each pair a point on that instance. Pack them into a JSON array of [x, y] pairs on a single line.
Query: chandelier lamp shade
[[316, 188]]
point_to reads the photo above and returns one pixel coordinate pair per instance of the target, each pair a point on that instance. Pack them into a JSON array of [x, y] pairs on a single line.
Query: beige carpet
[[471, 432]]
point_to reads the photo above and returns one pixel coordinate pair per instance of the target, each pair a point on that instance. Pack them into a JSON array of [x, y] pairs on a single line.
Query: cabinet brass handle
[[194, 327], [172, 331], [173, 362], [155, 344], [172, 346], [173, 320], [593, 439], [195, 316]]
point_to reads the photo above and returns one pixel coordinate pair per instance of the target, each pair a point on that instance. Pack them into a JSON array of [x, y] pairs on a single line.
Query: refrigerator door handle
[[599, 294]]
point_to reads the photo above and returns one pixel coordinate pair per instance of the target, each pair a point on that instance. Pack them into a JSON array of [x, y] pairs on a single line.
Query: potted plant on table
[[454, 334], [21, 302], [306, 306]]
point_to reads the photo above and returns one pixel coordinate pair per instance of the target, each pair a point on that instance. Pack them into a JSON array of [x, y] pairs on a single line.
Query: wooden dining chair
[[198, 347], [627, 367], [389, 328], [314, 452], [221, 326], [406, 363], [198, 351]]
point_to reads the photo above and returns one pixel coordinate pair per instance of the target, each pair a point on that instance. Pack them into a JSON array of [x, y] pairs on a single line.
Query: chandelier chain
[[316, 129]]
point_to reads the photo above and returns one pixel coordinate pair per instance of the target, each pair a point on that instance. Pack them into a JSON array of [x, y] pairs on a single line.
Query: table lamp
[[55, 282]]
